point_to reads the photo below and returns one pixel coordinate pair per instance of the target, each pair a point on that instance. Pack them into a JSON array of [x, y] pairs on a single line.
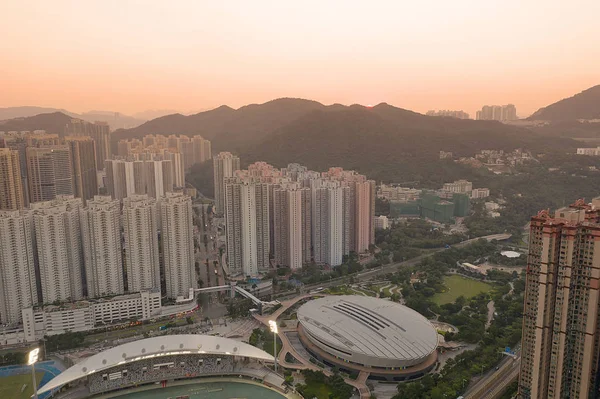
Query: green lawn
[[457, 286], [316, 390], [339, 290], [10, 387]]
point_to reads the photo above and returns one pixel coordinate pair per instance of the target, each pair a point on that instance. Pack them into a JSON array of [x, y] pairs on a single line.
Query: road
[[360, 384], [390, 268], [207, 252], [495, 382]]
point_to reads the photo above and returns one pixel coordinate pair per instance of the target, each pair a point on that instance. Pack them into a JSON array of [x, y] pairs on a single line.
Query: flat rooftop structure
[[368, 331], [510, 254]]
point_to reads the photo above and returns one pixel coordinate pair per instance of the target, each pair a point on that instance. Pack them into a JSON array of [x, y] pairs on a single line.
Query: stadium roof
[[369, 326], [153, 347]]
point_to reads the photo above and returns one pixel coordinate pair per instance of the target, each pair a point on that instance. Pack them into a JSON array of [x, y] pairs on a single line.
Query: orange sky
[[130, 56]]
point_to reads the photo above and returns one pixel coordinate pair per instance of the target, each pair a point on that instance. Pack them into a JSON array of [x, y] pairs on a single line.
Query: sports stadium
[[359, 333], [165, 360]]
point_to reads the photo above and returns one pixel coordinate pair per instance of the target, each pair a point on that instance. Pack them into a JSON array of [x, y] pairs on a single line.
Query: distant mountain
[[116, 120], [54, 122], [153, 114], [23, 112], [585, 105], [385, 141], [227, 127]]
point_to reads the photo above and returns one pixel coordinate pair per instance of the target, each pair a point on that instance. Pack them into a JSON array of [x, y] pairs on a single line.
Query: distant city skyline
[[131, 57]]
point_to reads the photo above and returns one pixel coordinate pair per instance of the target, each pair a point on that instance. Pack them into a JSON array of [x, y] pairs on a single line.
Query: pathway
[[490, 315], [288, 347]]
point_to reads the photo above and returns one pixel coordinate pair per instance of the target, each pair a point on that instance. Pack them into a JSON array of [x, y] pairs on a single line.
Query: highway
[[493, 384]]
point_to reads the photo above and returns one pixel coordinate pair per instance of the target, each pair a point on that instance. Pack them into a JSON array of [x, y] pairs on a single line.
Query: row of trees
[[237, 307], [68, 340], [457, 373], [318, 385], [415, 233], [469, 315], [263, 339]]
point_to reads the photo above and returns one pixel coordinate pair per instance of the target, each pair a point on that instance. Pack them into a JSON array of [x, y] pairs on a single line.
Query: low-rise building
[[381, 223], [396, 193], [459, 186], [480, 193], [446, 155], [86, 315], [589, 151]]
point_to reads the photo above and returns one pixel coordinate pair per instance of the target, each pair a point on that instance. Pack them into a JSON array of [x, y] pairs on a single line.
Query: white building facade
[[17, 265], [87, 315], [59, 248], [140, 227], [225, 164], [177, 238], [102, 247]]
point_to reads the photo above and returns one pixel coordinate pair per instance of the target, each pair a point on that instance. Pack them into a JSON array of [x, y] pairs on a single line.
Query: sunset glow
[[130, 56]]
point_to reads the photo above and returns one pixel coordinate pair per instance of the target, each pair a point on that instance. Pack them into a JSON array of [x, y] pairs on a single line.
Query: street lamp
[[273, 327], [33, 357]]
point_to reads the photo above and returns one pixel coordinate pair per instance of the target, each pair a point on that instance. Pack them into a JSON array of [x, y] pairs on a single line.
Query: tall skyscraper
[[193, 150], [18, 142], [247, 225], [328, 222], [101, 225], [363, 219], [297, 215], [11, 190], [17, 265], [50, 172], [497, 113], [140, 225], [186, 147], [177, 166], [225, 164], [83, 156], [509, 113], [561, 331], [98, 131], [177, 240], [127, 177], [202, 149], [291, 220], [59, 248]]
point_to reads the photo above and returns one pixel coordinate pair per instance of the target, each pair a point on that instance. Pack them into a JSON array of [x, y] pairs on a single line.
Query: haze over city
[[130, 56], [300, 200]]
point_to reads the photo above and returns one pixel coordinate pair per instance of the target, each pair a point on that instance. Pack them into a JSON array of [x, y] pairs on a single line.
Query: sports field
[[10, 387], [457, 285]]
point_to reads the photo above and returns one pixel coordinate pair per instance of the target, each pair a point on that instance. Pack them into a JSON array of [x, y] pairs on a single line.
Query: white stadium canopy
[[168, 345]]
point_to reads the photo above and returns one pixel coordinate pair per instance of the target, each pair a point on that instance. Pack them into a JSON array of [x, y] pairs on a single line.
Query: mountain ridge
[[583, 105], [115, 119]]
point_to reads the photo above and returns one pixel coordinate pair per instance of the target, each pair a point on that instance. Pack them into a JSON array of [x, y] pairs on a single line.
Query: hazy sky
[[131, 56]]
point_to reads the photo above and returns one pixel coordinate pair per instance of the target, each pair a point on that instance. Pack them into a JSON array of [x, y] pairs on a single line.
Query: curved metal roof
[[153, 347], [369, 326]]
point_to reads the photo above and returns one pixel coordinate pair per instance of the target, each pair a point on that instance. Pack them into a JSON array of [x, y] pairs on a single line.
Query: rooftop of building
[[369, 326]]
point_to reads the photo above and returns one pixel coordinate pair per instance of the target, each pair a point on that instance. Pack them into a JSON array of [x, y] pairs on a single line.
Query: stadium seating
[[159, 369]]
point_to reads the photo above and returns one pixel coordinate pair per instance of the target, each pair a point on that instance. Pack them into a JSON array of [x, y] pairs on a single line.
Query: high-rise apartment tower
[[561, 329]]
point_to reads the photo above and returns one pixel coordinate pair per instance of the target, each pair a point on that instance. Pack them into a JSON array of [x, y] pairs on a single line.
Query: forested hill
[[54, 122], [585, 105], [377, 140]]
